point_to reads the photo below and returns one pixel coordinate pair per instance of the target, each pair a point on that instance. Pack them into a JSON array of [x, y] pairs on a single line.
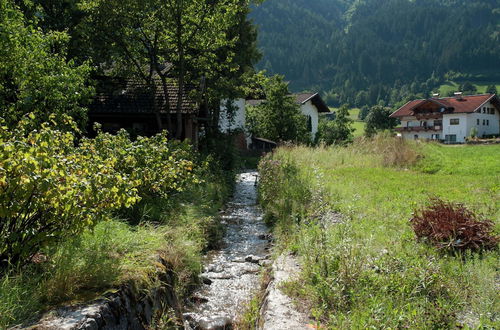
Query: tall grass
[[369, 270], [120, 251]]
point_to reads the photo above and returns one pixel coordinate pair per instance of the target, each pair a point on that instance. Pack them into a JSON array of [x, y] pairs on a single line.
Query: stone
[[205, 280], [216, 323]]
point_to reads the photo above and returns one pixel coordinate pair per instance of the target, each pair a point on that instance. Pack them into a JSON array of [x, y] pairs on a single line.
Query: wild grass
[[119, 251], [370, 270]]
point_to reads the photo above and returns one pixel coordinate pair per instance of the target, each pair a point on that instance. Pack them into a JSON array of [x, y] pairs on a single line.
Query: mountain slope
[[369, 48]]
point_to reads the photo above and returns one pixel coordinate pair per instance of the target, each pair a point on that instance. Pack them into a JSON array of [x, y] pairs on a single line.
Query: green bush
[[51, 187]]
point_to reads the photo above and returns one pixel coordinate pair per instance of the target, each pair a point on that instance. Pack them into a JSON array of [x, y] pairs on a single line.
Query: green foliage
[[365, 268], [52, 187], [35, 76], [492, 89], [360, 52], [378, 120], [179, 227], [363, 112], [337, 131], [278, 117], [468, 88]]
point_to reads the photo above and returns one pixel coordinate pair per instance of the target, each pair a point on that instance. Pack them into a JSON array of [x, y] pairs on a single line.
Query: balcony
[[419, 128]]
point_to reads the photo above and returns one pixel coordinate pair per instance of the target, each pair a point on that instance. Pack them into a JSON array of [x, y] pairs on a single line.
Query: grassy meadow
[[452, 86], [358, 125], [367, 270]]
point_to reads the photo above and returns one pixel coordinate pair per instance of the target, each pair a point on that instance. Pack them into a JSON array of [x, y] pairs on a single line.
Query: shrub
[[452, 226], [50, 189]]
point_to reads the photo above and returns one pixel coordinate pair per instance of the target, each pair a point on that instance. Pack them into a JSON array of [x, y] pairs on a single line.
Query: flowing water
[[231, 274]]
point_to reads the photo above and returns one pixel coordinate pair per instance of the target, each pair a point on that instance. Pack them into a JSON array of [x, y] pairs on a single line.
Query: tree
[[492, 89], [278, 117], [186, 33], [378, 120], [468, 87], [35, 76], [338, 131], [363, 112]]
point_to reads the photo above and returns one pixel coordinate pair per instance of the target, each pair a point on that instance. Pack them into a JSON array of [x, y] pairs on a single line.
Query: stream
[[231, 274]]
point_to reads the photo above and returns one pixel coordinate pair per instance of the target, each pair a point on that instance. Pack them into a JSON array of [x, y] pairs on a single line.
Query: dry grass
[[453, 227]]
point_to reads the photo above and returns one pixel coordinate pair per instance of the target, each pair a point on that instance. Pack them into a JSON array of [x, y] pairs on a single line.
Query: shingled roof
[[133, 96], [464, 104]]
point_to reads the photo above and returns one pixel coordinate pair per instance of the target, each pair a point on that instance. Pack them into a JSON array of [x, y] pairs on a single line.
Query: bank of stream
[[231, 274]]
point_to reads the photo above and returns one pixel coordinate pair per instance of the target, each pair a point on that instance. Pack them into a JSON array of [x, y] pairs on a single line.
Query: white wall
[[425, 135], [489, 124], [238, 119], [461, 130], [308, 109]]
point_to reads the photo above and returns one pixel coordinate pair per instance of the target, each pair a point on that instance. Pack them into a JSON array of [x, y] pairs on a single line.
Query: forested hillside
[[372, 51]]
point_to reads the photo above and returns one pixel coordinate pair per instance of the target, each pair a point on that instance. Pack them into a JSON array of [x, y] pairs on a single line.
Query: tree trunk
[[167, 99]]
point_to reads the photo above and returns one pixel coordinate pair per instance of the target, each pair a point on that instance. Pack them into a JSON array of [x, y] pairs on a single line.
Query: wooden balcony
[[419, 129], [430, 115]]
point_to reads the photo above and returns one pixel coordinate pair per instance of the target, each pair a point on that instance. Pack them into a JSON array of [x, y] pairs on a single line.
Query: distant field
[[358, 125], [451, 86]]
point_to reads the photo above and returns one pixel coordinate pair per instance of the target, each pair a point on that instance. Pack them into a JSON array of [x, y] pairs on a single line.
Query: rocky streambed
[[231, 274]]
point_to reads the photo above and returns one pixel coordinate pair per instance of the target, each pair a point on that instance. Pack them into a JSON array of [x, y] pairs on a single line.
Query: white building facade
[[451, 120], [234, 119]]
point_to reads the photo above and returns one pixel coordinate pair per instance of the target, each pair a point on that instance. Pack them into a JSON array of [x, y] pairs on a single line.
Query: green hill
[[371, 51]]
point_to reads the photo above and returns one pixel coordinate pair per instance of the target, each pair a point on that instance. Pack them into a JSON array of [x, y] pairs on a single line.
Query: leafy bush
[[452, 226], [51, 187], [155, 166]]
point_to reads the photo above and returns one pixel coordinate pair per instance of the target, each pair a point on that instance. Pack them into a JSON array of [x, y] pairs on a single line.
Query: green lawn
[[370, 271], [358, 125], [451, 86]]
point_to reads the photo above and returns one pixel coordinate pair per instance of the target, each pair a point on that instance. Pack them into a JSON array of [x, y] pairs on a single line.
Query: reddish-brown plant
[[452, 226]]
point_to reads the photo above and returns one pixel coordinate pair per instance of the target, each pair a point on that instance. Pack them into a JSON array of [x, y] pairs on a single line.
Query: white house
[[311, 104], [450, 119]]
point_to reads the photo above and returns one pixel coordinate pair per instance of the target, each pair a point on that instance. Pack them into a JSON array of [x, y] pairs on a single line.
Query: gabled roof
[[464, 104], [301, 99], [316, 100], [133, 96]]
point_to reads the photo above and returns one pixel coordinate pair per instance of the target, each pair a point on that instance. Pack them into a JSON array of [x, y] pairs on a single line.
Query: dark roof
[[463, 104], [133, 96], [301, 98], [315, 98]]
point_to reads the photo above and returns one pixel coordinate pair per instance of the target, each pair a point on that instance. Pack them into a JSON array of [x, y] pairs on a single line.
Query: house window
[[415, 136], [484, 122], [309, 124], [454, 121], [477, 121], [487, 122], [450, 138], [484, 109], [435, 136], [438, 122]]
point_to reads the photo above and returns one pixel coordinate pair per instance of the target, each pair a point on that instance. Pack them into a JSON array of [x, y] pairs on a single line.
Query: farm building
[[131, 105], [450, 119], [311, 105]]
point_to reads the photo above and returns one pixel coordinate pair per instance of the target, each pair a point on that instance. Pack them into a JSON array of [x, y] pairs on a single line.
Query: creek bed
[[231, 274]]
